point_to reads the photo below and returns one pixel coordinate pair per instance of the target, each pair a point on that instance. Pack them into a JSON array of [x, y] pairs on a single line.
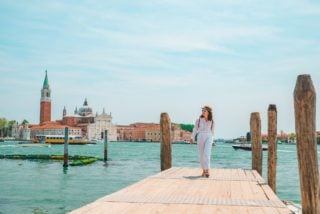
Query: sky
[[139, 58]]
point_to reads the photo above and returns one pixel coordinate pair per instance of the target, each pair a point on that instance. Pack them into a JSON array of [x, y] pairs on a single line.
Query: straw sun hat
[[207, 107]]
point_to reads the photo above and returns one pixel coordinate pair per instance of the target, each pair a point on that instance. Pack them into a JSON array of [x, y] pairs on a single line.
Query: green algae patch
[[83, 162], [77, 160]]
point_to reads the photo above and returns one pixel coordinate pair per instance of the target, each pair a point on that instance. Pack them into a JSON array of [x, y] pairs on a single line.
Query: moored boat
[[248, 147], [59, 139]]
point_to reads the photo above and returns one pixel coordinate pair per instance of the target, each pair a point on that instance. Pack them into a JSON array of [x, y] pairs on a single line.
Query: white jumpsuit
[[205, 130]]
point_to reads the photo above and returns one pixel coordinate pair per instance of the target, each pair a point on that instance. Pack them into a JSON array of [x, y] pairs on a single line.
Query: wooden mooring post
[[305, 124], [272, 146], [105, 145], [66, 144], [255, 129], [165, 130]]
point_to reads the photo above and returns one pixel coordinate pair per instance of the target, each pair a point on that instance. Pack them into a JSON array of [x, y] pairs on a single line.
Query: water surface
[[45, 187]]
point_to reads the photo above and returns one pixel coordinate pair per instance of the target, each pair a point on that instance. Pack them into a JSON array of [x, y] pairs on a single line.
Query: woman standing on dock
[[203, 134]]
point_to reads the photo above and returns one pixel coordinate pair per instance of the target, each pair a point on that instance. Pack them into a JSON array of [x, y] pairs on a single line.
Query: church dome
[[85, 110]]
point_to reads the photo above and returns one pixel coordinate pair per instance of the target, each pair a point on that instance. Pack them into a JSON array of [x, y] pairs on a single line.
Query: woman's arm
[[195, 130], [212, 127]]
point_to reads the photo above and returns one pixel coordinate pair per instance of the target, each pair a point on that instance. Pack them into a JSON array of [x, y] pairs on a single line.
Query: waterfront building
[[101, 123], [152, 135], [175, 132], [15, 131], [81, 119], [124, 132], [149, 132], [21, 131], [25, 132], [54, 129], [185, 135], [83, 123]]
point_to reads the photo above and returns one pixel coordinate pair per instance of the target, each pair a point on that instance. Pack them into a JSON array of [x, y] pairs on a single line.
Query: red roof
[[52, 126]]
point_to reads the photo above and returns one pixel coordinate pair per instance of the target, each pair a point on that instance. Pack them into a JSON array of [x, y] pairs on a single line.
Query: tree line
[[187, 127]]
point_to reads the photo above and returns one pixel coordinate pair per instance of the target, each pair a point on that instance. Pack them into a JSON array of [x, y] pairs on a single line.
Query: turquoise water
[[44, 187]]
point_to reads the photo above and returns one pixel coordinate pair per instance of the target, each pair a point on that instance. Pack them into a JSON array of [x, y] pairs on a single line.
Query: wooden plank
[[109, 207], [178, 190]]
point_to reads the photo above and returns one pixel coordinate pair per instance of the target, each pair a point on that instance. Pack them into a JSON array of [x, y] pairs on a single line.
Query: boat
[[59, 139], [248, 147]]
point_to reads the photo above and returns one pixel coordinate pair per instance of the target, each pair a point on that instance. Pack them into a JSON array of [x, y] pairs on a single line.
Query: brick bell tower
[[45, 102]]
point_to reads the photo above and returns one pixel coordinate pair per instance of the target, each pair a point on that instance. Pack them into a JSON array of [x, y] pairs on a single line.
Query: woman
[[203, 135]]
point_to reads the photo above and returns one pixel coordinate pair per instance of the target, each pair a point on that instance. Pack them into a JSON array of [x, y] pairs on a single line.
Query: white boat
[[248, 147]]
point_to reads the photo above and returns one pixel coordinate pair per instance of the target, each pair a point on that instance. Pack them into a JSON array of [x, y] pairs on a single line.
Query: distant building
[[149, 132], [82, 122], [152, 135], [185, 135], [21, 131], [45, 101], [15, 131], [175, 133], [54, 129], [81, 118], [124, 132], [101, 123]]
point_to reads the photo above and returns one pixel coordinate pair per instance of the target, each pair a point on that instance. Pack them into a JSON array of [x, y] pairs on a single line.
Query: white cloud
[[239, 56]]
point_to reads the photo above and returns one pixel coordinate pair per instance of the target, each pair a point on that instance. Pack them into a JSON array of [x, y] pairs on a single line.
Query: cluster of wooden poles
[[66, 145], [305, 126]]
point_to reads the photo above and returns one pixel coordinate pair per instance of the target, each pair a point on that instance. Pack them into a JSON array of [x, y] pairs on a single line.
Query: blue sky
[[140, 58]]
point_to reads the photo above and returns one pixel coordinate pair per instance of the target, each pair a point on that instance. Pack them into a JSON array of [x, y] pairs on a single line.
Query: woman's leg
[[207, 152], [201, 145]]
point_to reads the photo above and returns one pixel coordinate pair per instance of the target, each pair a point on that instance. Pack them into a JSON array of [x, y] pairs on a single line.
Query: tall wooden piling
[[105, 145], [165, 153], [272, 146], [305, 124], [255, 129], [66, 144]]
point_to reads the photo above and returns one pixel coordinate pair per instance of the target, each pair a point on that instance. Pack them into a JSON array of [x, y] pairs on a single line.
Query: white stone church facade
[[101, 123]]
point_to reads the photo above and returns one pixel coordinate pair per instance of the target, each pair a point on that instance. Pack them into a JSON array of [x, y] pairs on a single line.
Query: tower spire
[[85, 102], [46, 81], [64, 112]]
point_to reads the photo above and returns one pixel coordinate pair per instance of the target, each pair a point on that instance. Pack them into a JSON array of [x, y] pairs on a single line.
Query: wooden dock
[[182, 190]]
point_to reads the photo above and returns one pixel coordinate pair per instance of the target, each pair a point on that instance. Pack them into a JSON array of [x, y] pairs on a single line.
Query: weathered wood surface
[[272, 146], [165, 130], [305, 123], [255, 129], [182, 190]]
